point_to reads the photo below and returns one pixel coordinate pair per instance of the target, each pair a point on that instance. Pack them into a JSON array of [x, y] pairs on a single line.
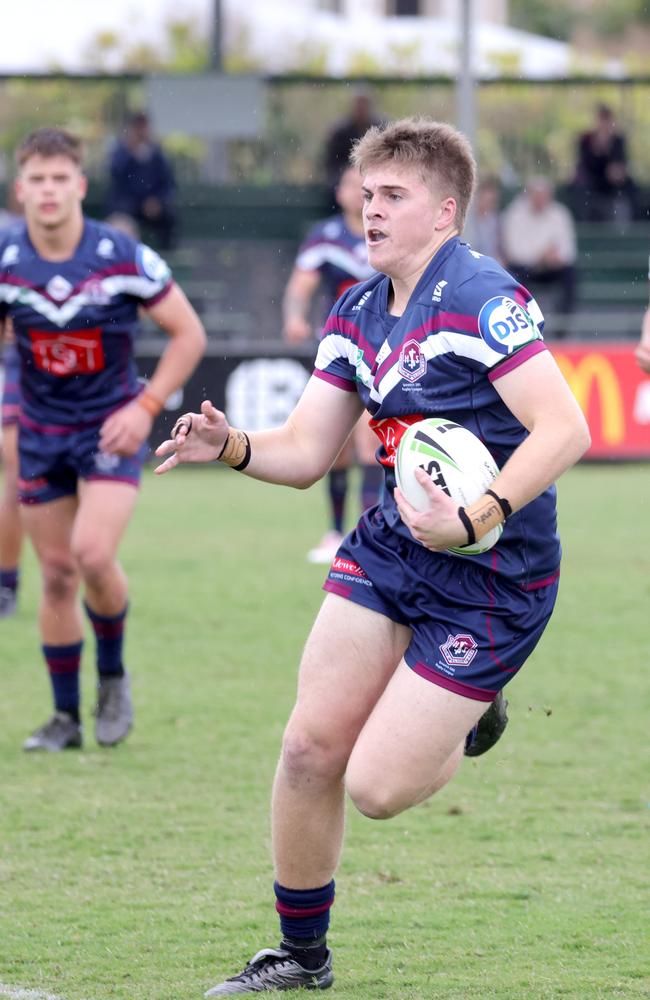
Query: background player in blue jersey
[[332, 258], [72, 288], [411, 642], [11, 532]]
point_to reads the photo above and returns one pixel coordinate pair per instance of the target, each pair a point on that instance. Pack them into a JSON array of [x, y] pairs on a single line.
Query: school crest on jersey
[[58, 288], [412, 362], [459, 650], [505, 325]]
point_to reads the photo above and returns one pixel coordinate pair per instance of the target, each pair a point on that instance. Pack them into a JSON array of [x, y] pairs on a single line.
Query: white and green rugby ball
[[456, 461]]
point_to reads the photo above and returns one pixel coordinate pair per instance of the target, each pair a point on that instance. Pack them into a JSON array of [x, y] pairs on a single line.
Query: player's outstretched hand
[[437, 528], [196, 437]]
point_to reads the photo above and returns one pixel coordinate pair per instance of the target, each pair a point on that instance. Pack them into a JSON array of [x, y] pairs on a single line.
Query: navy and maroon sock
[[63, 663], [304, 920], [109, 633], [337, 486], [9, 579], [372, 478]]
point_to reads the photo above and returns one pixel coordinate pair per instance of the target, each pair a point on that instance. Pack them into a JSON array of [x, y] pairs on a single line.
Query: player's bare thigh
[[105, 509], [9, 450], [349, 658], [410, 745]]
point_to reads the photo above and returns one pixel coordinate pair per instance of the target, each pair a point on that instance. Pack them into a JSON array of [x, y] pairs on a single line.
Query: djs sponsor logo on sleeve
[[151, 264], [505, 325]]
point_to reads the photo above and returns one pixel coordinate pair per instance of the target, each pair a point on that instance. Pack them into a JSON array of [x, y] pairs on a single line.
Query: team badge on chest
[[58, 288], [412, 362]]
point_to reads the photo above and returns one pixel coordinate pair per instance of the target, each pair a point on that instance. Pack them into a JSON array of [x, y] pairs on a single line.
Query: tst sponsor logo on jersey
[[412, 362], [505, 325], [75, 352], [459, 650], [390, 431]]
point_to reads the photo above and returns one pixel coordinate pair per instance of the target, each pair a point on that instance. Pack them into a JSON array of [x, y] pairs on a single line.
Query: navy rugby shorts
[[52, 462], [11, 387], [472, 629]]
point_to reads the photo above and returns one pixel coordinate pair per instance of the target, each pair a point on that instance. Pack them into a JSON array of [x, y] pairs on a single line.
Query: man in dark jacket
[[142, 180]]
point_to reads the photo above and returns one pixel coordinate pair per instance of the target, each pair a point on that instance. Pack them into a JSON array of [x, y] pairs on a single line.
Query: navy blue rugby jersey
[[467, 322], [75, 321], [338, 254]]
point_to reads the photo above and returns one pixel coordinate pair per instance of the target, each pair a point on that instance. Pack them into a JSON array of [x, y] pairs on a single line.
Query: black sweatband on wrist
[[468, 526], [225, 445], [247, 455], [506, 509]]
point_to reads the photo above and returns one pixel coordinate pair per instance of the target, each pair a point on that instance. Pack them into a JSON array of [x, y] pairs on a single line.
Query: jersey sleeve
[[500, 327], [338, 350], [155, 276], [311, 252]]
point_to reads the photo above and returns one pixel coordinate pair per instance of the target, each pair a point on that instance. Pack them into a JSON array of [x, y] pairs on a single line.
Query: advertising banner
[[259, 389], [614, 395]]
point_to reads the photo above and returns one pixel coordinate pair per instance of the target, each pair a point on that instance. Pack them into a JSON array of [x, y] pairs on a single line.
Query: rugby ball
[[455, 460]]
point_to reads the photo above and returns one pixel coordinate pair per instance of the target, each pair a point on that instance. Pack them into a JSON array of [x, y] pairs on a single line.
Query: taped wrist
[[236, 451], [483, 515]]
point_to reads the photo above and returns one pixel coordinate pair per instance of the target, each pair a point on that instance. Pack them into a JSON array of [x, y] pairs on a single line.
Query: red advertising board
[[614, 395]]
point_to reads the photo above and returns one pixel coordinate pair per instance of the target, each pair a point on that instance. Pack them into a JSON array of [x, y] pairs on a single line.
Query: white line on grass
[[18, 993]]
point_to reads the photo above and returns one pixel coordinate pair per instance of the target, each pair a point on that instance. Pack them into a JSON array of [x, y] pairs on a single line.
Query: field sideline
[[142, 873]]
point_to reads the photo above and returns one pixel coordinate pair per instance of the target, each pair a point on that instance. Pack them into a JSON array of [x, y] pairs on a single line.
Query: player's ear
[[83, 185], [19, 189], [447, 213]]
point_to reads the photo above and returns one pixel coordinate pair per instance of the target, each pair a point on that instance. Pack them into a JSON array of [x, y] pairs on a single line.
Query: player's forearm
[[295, 306], [279, 456], [553, 446], [179, 359]]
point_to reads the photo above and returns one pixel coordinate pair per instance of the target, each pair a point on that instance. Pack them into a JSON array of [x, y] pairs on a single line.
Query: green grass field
[[142, 872]]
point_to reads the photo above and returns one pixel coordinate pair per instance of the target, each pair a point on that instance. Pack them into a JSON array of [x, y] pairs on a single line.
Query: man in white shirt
[[539, 243]]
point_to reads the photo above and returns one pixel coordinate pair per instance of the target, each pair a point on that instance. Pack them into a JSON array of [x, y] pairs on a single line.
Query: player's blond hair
[[50, 141], [439, 152]]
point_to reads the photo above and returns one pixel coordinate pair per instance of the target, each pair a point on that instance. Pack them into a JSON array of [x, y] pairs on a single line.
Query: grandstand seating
[[238, 245]]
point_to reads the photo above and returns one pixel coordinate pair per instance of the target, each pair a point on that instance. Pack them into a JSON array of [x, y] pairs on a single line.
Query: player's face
[[50, 189], [349, 193], [405, 220]]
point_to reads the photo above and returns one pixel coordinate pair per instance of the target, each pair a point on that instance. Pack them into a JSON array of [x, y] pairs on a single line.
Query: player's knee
[[94, 560], [306, 757], [59, 578], [375, 803]]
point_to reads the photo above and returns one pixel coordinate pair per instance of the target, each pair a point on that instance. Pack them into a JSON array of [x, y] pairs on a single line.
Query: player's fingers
[[406, 510], [427, 485], [210, 412], [182, 426], [165, 448], [166, 466]]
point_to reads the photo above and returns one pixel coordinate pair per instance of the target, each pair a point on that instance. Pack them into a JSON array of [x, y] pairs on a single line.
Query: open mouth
[[375, 236]]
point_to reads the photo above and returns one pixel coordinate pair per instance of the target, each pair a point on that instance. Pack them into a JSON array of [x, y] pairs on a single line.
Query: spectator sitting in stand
[[539, 244], [142, 181], [603, 188]]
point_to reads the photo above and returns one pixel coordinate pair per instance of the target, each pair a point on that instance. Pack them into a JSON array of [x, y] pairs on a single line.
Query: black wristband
[[468, 526], [506, 509], [225, 445], [247, 455]]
